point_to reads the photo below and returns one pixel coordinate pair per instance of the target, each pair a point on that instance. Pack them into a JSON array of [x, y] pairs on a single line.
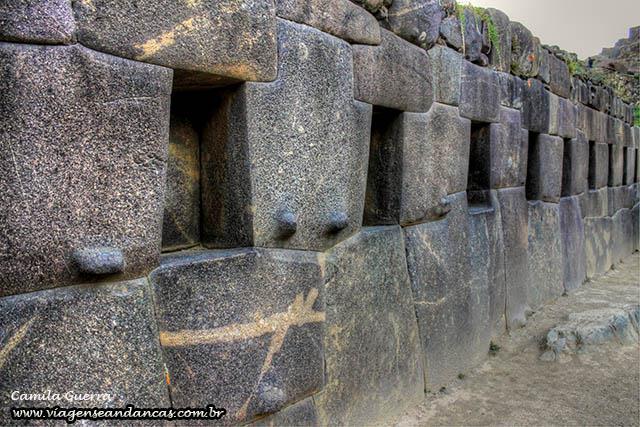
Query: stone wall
[[305, 212]]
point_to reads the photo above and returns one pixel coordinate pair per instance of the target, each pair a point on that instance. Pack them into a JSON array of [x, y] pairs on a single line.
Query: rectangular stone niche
[[479, 176]]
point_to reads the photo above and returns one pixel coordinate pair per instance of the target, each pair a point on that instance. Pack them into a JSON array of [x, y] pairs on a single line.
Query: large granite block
[[560, 78], [302, 413], [620, 197], [417, 21], [395, 74], [575, 166], [595, 203], [544, 165], [81, 339], [479, 93], [598, 175], [181, 221], [415, 160], [567, 119], [544, 254], [597, 241], [525, 51], [269, 170], [500, 55], [536, 109], [448, 304], [241, 328], [208, 42], [77, 173], [629, 165], [37, 21], [372, 352], [446, 66], [616, 165], [341, 18], [514, 214], [511, 90], [621, 243], [573, 245], [509, 148]]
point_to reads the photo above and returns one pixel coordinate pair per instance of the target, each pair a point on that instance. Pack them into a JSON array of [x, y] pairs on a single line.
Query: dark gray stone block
[[341, 18], [395, 74], [536, 107], [525, 51], [508, 151], [473, 41], [616, 165], [544, 178], [579, 91], [446, 65], [566, 119], [514, 214], [544, 254], [209, 43], [479, 94], [500, 56], [302, 413], [260, 348], [598, 174], [511, 90], [544, 69], [595, 203], [597, 241], [575, 166], [415, 160], [629, 165], [573, 246], [417, 21], [452, 309], [269, 152], [622, 235], [77, 172], [82, 339], [560, 79], [181, 220], [372, 353], [98, 261], [37, 21]]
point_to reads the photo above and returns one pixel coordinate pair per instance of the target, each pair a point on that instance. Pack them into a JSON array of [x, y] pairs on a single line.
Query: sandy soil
[[600, 386]]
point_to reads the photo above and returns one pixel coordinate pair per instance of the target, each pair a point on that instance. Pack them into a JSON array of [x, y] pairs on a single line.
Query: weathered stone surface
[[535, 107], [575, 166], [619, 197], [544, 178], [597, 240], [579, 91], [500, 56], [100, 260], [449, 306], [446, 65], [37, 21], [260, 348], [566, 119], [629, 165], [472, 37], [302, 413], [573, 245], [560, 78], [372, 354], [451, 33], [181, 221], [341, 18], [207, 42], [508, 151], [544, 254], [544, 69], [395, 74], [415, 160], [77, 172], [417, 21], [622, 235], [479, 94], [511, 90], [82, 339], [514, 213], [616, 165], [269, 175], [598, 175], [525, 51], [595, 203]]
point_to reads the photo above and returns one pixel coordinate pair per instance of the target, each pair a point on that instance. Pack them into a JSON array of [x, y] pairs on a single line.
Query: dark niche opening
[[592, 165], [533, 168], [567, 168], [479, 176]]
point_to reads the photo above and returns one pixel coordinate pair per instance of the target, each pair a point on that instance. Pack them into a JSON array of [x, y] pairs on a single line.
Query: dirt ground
[[599, 386]]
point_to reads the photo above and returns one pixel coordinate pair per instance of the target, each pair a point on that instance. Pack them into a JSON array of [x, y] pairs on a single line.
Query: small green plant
[[461, 376], [493, 348], [636, 115], [483, 16]]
